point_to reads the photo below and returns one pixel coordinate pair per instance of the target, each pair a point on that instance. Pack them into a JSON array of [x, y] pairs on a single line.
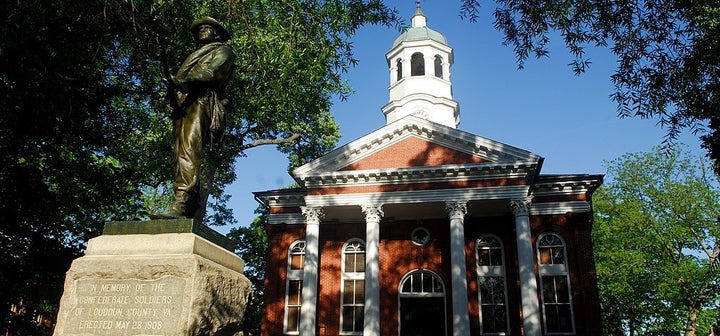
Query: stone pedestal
[[161, 277]]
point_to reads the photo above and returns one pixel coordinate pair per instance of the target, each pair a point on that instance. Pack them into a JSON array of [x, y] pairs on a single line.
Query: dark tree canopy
[[668, 53], [84, 131]]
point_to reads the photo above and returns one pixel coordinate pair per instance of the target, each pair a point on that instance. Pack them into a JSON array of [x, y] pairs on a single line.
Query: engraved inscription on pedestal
[[126, 307]]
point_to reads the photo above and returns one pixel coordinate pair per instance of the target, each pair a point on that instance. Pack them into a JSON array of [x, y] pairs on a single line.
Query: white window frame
[[492, 271], [296, 248], [350, 276], [554, 270]]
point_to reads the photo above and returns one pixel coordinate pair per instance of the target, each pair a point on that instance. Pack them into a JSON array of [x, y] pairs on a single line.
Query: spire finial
[[418, 19]]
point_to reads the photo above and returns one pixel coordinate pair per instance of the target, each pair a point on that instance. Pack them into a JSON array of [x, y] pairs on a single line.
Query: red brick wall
[[398, 256], [280, 237], [332, 238], [413, 152], [575, 231], [503, 228]]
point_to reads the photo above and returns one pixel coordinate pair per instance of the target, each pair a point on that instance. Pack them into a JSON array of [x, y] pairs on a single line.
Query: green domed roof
[[419, 34]]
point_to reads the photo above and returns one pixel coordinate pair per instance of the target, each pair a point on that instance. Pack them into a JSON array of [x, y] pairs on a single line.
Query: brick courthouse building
[[419, 228]]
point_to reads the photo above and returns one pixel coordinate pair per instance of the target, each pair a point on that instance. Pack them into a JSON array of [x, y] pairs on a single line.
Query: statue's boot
[[177, 208]]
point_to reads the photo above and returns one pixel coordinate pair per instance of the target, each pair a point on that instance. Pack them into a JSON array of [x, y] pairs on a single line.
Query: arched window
[[492, 287], [293, 301], [398, 66], [555, 284], [417, 64], [438, 66], [422, 304], [353, 287]]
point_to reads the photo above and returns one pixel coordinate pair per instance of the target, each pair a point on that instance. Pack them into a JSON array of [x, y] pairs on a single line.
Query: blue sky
[[544, 108]]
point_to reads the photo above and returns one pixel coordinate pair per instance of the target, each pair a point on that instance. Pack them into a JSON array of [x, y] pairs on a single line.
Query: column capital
[[373, 212], [521, 206], [456, 209], [313, 214]]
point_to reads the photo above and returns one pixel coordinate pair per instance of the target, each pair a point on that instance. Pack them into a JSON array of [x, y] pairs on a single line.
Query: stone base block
[[154, 284]]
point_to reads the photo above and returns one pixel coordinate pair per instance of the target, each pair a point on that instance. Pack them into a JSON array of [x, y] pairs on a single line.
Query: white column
[[446, 69], [461, 317], [393, 71], [308, 307], [528, 281], [373, 213]]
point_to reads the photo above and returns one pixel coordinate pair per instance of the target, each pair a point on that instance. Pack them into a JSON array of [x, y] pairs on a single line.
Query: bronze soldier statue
[[198, 111]]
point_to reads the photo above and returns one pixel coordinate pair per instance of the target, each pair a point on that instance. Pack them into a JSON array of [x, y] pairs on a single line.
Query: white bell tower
[[419, 63]]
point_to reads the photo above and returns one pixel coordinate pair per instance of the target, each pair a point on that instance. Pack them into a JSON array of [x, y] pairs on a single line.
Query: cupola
[[419, 63]]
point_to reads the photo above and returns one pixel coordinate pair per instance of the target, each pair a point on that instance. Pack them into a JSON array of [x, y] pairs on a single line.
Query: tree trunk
[[691, 324]]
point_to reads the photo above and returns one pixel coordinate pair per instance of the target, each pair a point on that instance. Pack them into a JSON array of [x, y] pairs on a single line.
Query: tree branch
[[263, 142]]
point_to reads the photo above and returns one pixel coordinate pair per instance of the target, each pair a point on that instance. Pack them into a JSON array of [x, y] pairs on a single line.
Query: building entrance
[[422, 305], [422, 317]]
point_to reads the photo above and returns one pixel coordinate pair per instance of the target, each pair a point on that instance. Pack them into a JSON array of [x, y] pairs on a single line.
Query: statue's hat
[[206, 20]]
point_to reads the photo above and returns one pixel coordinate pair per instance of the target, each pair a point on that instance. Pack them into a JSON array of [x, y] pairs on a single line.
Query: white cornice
[[282, 198], [420, 96], [446, 173], [418, 44], [566, 185], [418, 196], [292, 218], [555, 208], [559, 208]]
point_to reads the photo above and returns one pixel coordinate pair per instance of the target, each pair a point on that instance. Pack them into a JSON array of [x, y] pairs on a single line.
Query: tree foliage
[[84, 133], [657, 240], [668, 53]]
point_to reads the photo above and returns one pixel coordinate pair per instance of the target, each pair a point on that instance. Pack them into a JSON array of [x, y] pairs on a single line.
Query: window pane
[[348, 292], [558, 255], [406, 285], [494, 319], [549, 291], [484, 257], [359, 291], [561, 286], [438, 287], [438, 66], [427, 284], [495, 257], [349, 262], [558, 318], [417, 64], [485, 290], [347, 318], [564, 322], [360, 262], [417, 282], [297, 261], [545, 257], [498, 296], [551, 318], [359, 318], [294, 292], [293, 318]]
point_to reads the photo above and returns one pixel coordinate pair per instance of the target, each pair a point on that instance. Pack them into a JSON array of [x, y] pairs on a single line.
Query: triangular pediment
[[416, 143], [413, 151]]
